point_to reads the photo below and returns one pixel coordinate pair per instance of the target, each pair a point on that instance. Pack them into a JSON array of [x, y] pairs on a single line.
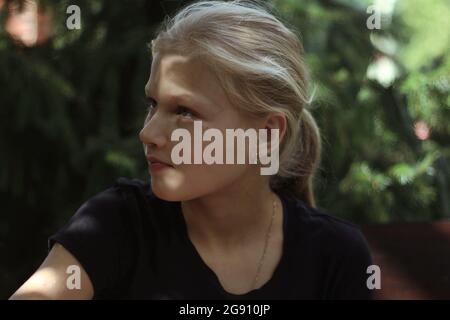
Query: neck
[[232, 216]]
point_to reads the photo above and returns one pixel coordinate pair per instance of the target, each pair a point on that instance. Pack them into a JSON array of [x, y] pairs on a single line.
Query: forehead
[[173, 74], [177, 77]]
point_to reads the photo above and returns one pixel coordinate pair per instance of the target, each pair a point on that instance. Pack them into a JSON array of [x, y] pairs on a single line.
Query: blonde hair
[[259, 64]]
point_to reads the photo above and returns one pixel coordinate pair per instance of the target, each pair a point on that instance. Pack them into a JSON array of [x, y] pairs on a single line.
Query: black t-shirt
[[134, 245]]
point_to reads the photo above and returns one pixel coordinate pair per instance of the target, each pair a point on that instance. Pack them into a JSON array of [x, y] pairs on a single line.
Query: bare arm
[[50, 279]]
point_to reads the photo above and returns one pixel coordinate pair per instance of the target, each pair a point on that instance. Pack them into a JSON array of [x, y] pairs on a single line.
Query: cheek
[[186, 182], [206, 179]]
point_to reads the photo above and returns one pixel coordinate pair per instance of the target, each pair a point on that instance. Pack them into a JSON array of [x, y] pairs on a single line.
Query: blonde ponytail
[[307, 155]]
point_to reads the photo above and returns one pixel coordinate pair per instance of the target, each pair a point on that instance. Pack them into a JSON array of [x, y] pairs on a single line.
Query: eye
[[149, 104], [185, 112]]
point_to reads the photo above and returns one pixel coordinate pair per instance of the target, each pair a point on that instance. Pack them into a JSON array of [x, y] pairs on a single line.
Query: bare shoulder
[[52, 279]]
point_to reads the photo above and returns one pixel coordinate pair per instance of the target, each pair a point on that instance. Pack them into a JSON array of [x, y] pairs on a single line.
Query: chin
[[168, 192]]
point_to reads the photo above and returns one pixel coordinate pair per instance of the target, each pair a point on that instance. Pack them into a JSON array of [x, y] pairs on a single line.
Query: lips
[[154, 160]]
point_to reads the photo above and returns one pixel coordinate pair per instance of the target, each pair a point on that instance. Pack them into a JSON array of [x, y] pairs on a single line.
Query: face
[[182, 90]]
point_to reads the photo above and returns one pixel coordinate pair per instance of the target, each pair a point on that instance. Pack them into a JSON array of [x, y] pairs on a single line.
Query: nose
[[154, 132]]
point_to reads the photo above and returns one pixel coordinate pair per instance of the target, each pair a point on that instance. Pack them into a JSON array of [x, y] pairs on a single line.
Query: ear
[[276, 121]]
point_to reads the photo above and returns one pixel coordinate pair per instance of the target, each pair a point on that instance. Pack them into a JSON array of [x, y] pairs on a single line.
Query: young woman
[[214, 231]]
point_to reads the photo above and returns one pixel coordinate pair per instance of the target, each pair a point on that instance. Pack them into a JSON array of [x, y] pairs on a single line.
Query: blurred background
[[71, 111]]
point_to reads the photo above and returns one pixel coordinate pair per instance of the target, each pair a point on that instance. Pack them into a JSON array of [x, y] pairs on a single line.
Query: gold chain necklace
[[266, 243]]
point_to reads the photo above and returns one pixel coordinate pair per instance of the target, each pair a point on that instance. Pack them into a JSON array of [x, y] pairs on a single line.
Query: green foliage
[[372, 88]]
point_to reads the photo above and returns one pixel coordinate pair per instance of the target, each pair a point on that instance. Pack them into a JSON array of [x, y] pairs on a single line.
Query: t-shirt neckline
[[212, 276]]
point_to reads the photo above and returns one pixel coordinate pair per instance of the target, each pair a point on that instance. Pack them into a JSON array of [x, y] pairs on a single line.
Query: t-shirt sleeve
[[352, 257], [95, 235]]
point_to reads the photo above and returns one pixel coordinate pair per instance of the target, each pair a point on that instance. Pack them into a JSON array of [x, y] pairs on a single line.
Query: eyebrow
[[184, 97]]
